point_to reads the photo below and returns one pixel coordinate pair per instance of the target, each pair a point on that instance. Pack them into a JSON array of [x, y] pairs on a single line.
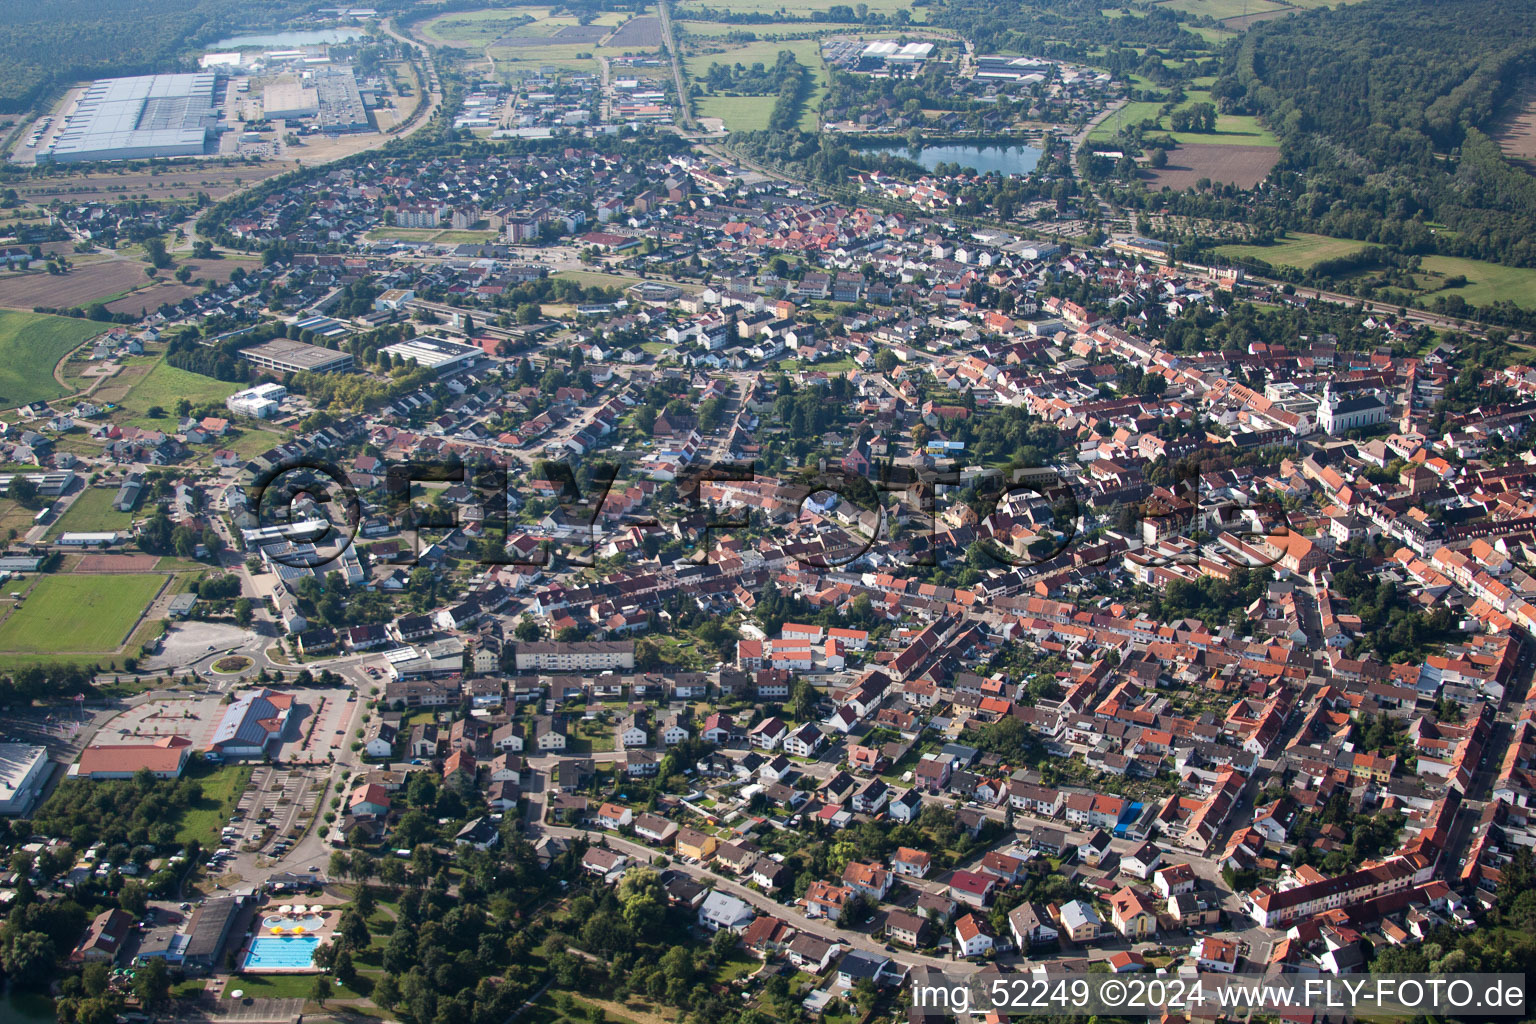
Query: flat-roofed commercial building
[[293, 356], [287, 98], [23, 774], [139, 117], [438, 354], [340, 101]]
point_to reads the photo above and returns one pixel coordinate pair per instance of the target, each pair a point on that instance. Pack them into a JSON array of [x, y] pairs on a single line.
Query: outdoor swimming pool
[[281, 952], [288, 922]]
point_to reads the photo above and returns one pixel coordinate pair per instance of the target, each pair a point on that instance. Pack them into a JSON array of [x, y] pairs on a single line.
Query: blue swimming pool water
[[281, 951]]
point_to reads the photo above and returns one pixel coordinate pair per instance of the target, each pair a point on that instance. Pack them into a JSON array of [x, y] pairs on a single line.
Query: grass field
[[753, 114], [740, 113], [477, 27], [31, 344], [1486, 282], [1231, 129], [221, 792], [592, 278], [164, 386], [77, 614], [390, 234], [13, 516], [91, 511], [1298, 249], [1222, 9]]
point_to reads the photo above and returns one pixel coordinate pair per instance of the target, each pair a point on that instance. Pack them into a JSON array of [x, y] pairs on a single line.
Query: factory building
[[340, 102], [136, 118], [289, 98]]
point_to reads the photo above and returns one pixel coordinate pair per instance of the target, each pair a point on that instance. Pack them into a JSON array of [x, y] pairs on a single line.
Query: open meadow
[[31, 344], [1298, 249], [164, 386]]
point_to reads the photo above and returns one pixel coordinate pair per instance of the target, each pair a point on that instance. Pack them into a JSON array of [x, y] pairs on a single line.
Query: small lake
[[26, 1007], [284, 40], [1011, 158]]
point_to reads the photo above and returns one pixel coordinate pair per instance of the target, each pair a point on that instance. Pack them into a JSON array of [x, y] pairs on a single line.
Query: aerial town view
[[767, 511]]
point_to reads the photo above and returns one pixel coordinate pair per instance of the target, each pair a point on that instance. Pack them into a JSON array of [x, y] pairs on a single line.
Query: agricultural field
[[804, 9], [702, 30], [83, 285], [1243, 166], [115, 184], [1297, 249], [641, 33], [164, 386], [90, 512], [77, 614], [31, 344], [1516, 135]]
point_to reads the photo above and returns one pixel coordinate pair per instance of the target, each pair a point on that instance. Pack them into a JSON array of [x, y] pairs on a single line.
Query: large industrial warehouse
[[135, 118]]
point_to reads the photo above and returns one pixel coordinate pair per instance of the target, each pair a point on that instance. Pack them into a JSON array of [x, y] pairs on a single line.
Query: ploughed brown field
[[177, 182], [638, 32], [1517, 135], [80, 287], [95, 282], [1243, 166]]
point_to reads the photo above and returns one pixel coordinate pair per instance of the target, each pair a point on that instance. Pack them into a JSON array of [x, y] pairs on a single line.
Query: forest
[[1064, 29], [1382, 110], [44, 47]]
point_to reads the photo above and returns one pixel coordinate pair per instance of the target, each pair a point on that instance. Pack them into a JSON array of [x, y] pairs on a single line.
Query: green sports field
[[31, 344], [77, 614]]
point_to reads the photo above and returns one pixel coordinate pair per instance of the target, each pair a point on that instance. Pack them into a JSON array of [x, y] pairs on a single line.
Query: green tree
[[152, 983], [28, 959], [321, 990]]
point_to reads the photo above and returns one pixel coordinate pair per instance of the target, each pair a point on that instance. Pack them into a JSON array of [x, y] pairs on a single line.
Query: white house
[[805, 741], [721, 911], [971, 939]]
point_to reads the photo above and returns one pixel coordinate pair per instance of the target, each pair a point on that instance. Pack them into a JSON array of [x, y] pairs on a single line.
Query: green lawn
[[1297, 249], [284, 986], [31, 344], [164, 386], [222, 787], [91, 511], [77, 614], [1486, 282]]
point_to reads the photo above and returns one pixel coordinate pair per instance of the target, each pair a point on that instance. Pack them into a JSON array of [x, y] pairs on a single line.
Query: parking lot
[[195, 718], [275, 809]]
